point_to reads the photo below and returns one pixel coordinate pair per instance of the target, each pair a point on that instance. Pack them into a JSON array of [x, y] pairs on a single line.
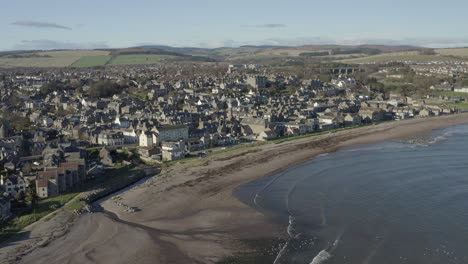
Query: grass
[[91, 61], [75, 205], [281, 140], [397, 84], [460, 52], [39, 210], [49, 205], [136, 59], [50, 59], [453, 94], [463, 105], [401, 56]]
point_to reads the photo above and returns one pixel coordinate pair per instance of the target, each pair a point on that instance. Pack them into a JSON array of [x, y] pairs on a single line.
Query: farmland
[[401, 56], [48, 58], [91, 61], [134, 59], [459, 52]]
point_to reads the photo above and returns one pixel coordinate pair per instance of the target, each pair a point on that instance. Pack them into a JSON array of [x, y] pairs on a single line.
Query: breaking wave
[[321, 257]]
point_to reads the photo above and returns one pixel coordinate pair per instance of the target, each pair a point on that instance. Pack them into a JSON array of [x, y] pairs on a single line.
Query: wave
[[280, 258], [321, 257], [326, 253], [425, 141]]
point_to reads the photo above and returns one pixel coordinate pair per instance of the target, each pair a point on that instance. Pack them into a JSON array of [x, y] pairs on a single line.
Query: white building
[[146, 139], [111, 138]]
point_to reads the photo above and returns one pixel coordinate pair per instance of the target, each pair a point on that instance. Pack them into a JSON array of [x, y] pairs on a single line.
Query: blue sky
[[51, 24]]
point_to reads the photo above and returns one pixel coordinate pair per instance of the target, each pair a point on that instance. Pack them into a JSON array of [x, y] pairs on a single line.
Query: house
[[352, 120], [372, 114], [111, 138], [425, 112], [57, 180], [106, 157], [150, 153], [173, 150], [14, 184], [146, 139], [461, 89], [267, 135]]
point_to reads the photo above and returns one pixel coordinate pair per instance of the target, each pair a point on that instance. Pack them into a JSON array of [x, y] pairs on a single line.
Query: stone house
[[14, 184], [352, 120], [110, 138], [267, 135], [146, 139], [172, 150], [57, 180]]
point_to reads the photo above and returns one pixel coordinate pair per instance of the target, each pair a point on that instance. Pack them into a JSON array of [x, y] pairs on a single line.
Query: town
[[63, 127]]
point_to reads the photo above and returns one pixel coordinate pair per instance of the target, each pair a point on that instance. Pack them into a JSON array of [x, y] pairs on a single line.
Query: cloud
[[433, 42], [37, 24], [45, 44], [266, 26]]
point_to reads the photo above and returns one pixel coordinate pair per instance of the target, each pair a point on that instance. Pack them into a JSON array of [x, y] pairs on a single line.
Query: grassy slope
[[91, 61], [47, 206], [55, 59], [138, 59], [401, 56], [41, 209], [459, 52]]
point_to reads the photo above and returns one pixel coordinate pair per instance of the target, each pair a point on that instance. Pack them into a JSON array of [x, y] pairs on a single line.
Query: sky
[[90, 24]]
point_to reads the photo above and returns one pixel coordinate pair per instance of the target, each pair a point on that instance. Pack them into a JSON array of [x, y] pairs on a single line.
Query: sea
[[400, 201]]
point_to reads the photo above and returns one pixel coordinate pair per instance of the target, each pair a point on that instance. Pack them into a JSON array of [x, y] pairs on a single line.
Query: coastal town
[[62, 127]]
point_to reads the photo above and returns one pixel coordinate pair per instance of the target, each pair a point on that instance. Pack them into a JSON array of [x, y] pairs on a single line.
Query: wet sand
[[188, 213]]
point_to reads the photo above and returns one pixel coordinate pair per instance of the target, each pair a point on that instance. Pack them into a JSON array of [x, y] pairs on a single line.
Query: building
[[257, 81], [170, 133], [146, 139], [14, 185], [111, 138], [57, 180], [173, 150], [267, 135], [461, 89]]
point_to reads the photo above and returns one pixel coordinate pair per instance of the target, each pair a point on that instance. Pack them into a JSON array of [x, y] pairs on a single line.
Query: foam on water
[[321, 257], [378, 192], [281, 257]]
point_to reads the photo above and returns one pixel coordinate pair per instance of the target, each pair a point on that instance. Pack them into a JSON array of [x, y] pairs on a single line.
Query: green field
[[41, 209], [463, 105], [460, 52], [91, 61], [401, 56], [49, 58], [139, 59]]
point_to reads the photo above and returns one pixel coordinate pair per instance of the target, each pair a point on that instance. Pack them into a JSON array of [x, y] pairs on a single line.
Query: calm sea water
[[393, 202]]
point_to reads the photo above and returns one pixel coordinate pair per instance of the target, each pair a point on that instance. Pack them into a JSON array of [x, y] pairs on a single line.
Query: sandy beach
[[188, 213]]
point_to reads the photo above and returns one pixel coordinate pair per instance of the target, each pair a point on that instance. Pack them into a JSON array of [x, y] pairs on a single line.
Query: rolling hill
[[155, 54]]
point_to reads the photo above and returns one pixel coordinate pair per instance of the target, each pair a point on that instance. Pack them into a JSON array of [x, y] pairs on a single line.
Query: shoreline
[[189, 213]]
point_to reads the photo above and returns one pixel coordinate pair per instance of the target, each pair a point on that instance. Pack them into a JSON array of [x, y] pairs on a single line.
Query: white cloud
[[45, 44], [38, 24]]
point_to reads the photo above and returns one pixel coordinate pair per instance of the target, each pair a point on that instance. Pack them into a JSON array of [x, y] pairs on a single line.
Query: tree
[[51, 87], [105, 89]]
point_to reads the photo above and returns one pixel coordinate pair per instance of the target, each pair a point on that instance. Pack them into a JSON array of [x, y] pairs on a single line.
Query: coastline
[[189, 214]]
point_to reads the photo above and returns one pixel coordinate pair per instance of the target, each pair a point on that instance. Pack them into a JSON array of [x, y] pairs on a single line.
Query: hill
[[155, 54]]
